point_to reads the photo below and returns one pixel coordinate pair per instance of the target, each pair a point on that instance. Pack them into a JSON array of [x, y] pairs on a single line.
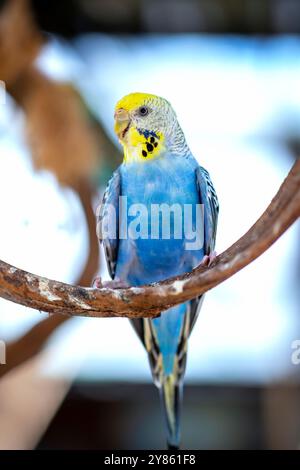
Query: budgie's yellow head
[[146, 126]]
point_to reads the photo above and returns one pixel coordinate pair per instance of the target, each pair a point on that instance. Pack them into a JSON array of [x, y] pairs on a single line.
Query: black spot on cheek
[[149, 147], [155, 145], [152, 140], [144, 153]]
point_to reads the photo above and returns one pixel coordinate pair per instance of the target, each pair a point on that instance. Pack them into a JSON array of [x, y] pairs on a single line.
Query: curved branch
[[85, 193], [148, 301], [31, 343]]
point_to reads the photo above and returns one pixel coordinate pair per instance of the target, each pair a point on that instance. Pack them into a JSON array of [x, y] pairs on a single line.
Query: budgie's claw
[[97, 282], [115, 284], [208, 259]]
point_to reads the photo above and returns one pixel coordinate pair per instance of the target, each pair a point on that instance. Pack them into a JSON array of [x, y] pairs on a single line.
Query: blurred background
[[231, 70]]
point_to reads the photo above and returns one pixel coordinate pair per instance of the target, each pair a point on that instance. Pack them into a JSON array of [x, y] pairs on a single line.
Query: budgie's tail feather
[[171, 398], [166, 342]]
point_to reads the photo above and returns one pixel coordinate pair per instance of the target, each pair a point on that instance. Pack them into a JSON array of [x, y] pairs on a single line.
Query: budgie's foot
[[208, 259], [115, 284]]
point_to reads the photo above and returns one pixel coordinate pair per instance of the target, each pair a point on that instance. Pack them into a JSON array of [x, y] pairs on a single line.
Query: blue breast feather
[[166, 180]]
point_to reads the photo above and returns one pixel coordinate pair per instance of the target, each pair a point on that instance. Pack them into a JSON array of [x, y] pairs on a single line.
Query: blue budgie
[[166, 219]]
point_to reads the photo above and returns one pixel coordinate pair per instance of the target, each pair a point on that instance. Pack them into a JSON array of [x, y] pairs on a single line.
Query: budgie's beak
[[122, 122]]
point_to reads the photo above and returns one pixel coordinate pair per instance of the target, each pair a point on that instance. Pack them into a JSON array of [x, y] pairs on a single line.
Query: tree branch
[[148, 301]]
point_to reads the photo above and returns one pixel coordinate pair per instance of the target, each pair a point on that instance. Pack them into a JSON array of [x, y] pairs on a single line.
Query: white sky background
[[235, 99]]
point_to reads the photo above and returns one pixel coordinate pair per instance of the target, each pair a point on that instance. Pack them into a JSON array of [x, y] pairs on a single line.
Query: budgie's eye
[[143, 111]]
